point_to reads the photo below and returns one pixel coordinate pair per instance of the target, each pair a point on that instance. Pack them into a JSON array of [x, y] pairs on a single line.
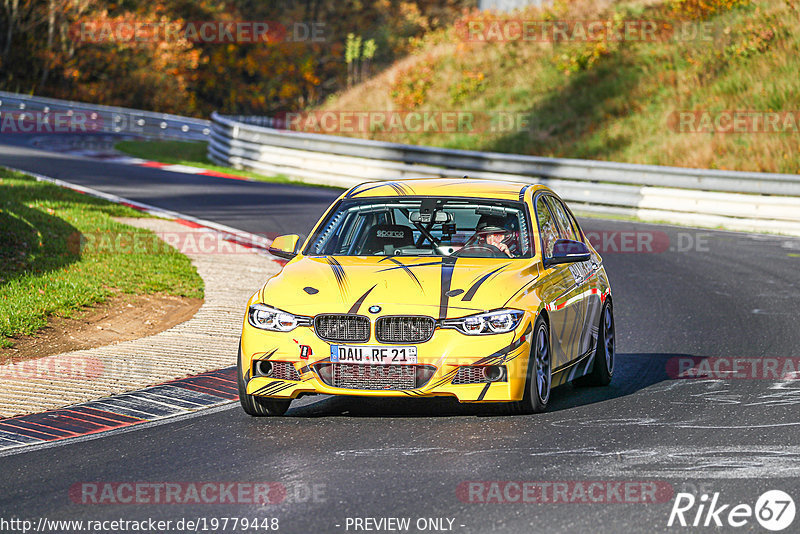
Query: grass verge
[[44, 272], [610, 99]]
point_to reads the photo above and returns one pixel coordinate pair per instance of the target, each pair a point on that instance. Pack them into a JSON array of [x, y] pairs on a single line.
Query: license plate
[[367, 354]]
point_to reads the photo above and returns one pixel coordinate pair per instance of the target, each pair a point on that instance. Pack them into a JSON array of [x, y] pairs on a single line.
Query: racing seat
[[386, 238]]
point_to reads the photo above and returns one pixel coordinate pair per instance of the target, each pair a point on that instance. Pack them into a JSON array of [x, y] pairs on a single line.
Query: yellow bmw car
[[485, 291]]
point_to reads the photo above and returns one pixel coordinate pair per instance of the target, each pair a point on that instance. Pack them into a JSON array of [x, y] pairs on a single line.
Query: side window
[[576, 226], [547, 227], [567, 231]]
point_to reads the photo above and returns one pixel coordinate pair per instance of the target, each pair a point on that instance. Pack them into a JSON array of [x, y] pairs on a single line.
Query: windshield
[[409, 226]]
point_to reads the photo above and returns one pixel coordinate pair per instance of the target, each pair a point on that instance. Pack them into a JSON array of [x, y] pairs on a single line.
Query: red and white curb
[[258, 243], [185, 169], [171, 399], [113, 156]]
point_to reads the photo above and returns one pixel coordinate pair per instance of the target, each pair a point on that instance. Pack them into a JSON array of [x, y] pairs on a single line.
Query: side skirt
[[576, 369]]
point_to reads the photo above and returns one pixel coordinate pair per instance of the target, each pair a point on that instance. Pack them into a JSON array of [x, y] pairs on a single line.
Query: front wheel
[[253, 404], [539, 375], [605, 353]]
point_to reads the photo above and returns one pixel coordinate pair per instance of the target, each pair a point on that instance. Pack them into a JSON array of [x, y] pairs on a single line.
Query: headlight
[[266, 318], [495, 322]]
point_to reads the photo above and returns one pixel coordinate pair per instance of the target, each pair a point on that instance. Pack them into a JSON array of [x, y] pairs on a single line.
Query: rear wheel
[[253, 404], [605, 353], [539, 375]]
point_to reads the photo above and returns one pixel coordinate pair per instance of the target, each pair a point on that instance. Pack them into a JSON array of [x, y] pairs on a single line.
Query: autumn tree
[[58, 48]]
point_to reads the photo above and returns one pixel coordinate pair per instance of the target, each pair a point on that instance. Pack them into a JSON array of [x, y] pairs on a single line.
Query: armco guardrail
[[109, 119], [737, 200]]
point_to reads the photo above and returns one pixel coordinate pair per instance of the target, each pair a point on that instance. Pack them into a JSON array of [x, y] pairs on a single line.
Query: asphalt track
[[728, 295]]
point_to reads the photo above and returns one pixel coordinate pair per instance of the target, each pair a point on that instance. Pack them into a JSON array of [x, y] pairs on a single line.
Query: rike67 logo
[[774, 510]]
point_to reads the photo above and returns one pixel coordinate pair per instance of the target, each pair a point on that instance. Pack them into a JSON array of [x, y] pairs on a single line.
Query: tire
[[253, 404], [539, 378], [605, 352]]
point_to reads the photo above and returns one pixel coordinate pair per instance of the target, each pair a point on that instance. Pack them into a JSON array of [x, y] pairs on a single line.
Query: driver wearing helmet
[[495, 232]]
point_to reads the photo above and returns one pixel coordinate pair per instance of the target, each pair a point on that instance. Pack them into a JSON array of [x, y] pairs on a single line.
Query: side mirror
[[567, 251], [285, 246]]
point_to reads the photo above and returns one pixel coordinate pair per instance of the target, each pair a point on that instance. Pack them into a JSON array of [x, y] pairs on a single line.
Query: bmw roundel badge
[[374, 309]]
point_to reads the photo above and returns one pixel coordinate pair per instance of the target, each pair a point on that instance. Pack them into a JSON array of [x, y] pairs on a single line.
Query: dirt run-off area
[[120, 318]]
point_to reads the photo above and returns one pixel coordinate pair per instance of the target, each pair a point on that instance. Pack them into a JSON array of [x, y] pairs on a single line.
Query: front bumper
[[447, 351]]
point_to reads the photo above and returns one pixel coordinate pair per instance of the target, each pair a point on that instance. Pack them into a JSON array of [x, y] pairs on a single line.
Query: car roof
[[444, 187]]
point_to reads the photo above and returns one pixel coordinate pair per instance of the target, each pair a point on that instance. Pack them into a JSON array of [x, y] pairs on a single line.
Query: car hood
[[434, 286]]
